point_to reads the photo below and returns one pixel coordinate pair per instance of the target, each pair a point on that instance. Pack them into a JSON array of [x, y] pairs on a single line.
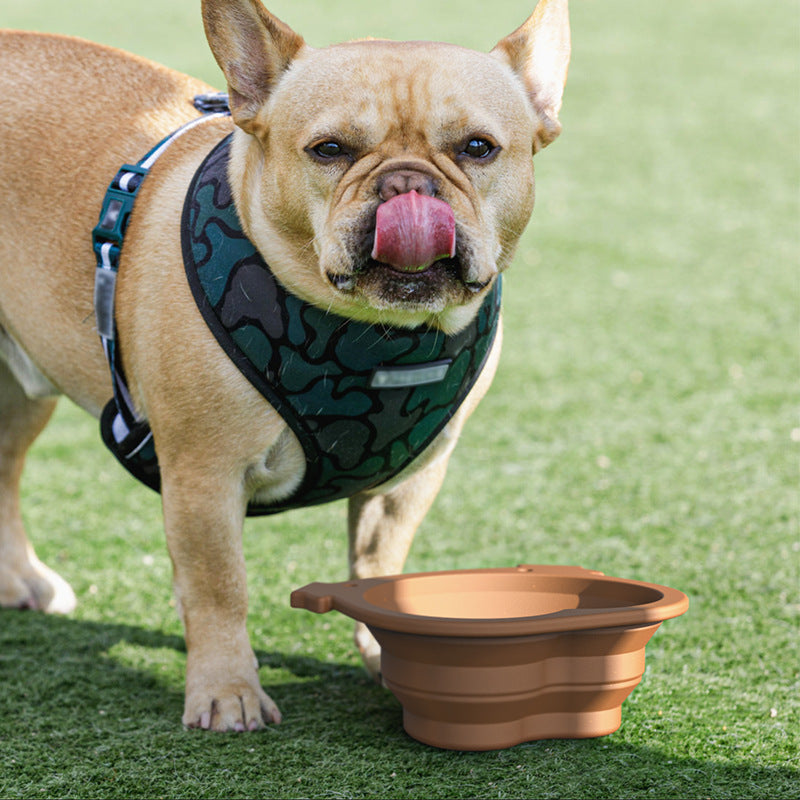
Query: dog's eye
[[327, 150], [478, 148]]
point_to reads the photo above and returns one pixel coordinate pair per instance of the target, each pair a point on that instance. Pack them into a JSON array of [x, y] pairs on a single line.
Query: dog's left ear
[[253, 48], [538, 51]]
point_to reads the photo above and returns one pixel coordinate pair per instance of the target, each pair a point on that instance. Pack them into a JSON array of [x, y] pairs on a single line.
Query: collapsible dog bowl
[[489, 658]]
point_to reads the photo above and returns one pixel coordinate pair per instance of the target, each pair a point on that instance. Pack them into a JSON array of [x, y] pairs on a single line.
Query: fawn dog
[[386, 185]]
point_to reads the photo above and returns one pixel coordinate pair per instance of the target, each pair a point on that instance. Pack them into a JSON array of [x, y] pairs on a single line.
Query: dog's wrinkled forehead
[[409, 92]]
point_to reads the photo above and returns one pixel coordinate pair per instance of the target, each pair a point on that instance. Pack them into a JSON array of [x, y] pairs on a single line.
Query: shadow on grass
[[73, 687], [56, 667]]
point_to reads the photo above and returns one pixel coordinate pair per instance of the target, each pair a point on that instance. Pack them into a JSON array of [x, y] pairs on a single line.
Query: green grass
[[643, 423]]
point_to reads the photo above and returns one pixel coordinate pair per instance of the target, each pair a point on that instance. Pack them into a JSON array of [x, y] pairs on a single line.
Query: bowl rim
[[347, 597]]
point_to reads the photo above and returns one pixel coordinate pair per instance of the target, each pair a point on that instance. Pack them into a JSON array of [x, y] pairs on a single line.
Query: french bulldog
[[385, 183]]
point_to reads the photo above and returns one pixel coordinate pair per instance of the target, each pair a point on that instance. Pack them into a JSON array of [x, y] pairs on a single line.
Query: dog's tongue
[[412, 231]]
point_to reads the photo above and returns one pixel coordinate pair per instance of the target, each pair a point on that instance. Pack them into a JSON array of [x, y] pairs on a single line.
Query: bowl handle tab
[[316, 597]]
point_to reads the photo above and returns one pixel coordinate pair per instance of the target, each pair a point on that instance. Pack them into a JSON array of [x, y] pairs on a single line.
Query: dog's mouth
[[439, 285], [409, 258]]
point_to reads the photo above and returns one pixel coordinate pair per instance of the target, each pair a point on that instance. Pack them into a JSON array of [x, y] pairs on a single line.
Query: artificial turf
[[643, 423]]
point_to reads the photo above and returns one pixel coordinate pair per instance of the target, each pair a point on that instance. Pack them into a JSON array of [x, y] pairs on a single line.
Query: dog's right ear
[[253, 48], [538, 51]]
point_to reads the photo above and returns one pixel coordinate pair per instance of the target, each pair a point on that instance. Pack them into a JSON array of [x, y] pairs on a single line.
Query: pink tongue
[[412, 231]]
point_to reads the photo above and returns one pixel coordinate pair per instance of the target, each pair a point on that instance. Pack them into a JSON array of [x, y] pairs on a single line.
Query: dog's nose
[[403, 181]]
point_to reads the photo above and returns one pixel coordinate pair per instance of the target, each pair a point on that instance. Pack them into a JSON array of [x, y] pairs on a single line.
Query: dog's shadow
[[55, 667], [57, 674]]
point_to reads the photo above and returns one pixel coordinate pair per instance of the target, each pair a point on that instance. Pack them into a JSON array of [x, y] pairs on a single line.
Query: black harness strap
[[123, 430]]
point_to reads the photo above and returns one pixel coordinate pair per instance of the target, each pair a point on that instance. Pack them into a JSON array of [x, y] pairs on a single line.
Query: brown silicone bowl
[[489, 658]]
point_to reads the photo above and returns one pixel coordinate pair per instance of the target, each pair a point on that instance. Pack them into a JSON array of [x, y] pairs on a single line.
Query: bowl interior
[[504, 595]]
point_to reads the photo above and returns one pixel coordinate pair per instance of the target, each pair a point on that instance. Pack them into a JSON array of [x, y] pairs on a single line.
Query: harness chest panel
[[363, 400]]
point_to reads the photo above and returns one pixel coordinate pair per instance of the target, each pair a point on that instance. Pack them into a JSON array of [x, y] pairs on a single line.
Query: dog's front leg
[[382, 523], [381, 528], [203, 516]]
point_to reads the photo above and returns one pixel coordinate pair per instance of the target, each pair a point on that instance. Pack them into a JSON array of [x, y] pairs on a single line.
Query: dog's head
[[387, 181]]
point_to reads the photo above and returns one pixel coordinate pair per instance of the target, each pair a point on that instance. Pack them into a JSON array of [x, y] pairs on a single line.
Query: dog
[[385, 184]]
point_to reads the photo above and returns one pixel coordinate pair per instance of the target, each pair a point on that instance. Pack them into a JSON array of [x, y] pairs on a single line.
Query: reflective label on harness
[[416, 375]]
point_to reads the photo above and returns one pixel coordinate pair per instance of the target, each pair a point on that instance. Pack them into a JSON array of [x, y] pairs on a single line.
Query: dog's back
[[71, 112]]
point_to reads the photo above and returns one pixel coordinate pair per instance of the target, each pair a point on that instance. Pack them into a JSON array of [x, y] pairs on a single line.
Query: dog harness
[[363, 400]]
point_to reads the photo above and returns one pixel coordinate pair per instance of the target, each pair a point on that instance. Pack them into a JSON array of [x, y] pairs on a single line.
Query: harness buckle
[[118, 204]]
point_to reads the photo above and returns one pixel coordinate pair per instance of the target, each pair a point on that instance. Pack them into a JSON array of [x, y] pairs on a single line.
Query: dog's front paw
[[235, 706], [34, 585], [370, 651]]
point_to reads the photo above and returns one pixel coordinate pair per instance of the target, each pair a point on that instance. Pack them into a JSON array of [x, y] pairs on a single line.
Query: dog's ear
[[538, 51], [253, 48]]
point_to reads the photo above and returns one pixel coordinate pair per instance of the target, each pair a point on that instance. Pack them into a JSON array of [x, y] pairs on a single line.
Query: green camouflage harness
[[363, 400]]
